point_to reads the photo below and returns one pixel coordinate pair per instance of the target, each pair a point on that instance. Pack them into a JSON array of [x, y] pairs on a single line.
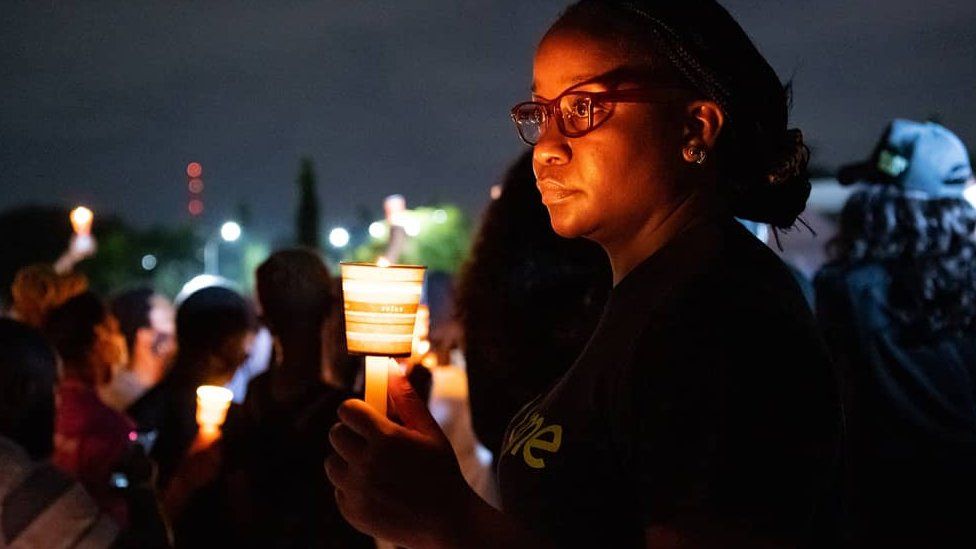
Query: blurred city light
[[377, 229], [149, 262], [339, 237], [194, 170], [230, 231]]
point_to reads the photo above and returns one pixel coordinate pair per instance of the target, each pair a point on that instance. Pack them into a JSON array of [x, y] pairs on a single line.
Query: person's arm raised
[[402, 483]]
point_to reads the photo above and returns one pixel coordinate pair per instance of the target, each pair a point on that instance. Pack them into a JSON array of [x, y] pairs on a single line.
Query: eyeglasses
[[580, 112]]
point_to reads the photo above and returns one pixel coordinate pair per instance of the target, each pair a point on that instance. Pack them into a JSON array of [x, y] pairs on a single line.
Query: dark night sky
[[106, 105]]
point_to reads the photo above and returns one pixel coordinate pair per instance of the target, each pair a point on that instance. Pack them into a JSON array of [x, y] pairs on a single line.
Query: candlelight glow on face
[[81, 220]]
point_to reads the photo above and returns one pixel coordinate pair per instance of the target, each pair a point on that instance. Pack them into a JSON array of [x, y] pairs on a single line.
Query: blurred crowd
[[99, 439]]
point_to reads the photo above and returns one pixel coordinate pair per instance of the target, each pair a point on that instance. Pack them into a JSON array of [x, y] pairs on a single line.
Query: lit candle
[[377, 379], [380, 306], [81, 220], [212, 405]]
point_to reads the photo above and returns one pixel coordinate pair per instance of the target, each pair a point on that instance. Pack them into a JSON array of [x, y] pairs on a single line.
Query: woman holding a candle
[[91, 440], [703, 411]]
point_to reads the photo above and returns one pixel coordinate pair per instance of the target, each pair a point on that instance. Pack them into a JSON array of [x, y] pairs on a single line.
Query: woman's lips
[[553, 191]]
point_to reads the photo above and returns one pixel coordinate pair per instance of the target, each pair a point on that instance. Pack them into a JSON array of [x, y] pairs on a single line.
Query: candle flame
[[382, 262], [81, 219]]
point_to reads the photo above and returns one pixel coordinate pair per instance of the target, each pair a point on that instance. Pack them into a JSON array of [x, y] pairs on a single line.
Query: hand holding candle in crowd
[[397, 482], [82, 243]]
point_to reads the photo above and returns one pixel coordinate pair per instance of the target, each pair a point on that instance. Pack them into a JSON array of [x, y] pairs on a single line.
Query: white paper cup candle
[[212, 405], [380, 306]]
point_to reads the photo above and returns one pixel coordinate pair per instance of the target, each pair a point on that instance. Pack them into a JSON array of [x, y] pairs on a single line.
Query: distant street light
[[339, 237], [230, 231], [377, 229]]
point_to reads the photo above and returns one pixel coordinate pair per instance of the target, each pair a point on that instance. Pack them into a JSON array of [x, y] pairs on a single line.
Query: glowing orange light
[[81, 220], [194, 169], [195, 186], [195, 207], [212, 405], [380, 306]]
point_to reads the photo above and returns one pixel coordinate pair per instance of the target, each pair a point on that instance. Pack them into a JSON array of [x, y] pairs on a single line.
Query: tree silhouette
[[307, 217]]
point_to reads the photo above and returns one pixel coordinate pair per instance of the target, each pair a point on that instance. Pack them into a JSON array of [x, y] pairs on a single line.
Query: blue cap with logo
[[921, 158]]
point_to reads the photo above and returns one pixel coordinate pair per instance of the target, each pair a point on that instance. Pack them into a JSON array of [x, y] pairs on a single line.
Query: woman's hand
[[199, 467], [400, 483]]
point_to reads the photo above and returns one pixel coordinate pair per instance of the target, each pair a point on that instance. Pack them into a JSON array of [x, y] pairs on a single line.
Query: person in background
[[289, 410], [147, 320], [214, 327], [395, 210], [42, 506], [38, 288], [258, 360], [897, 302], [528, 301], [91, 440]]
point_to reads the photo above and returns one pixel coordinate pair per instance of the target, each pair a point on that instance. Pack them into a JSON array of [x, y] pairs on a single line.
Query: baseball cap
[[922, 158]]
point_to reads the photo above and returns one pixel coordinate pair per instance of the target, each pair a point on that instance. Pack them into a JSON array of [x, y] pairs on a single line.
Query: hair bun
[[779, 193], [793, 158]]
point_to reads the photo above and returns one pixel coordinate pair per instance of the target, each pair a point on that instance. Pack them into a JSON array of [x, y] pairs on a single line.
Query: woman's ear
[[703, 124]]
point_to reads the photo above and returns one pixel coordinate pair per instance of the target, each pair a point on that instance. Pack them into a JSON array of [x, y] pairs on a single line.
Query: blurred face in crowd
[[109, 351], [230, 355], [155, 345]]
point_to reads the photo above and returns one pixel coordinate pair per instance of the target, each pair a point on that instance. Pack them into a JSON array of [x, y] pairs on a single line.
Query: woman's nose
[[552, 148]]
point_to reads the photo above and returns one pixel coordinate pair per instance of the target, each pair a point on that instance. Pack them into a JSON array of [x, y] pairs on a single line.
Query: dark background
[[105, 103]]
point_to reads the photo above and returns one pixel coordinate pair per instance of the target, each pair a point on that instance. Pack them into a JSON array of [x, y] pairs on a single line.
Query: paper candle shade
[[380, 307], [212, 405]]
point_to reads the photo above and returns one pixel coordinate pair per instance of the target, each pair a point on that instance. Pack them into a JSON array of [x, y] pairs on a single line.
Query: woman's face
[[605, 184], [231, 354], [110, 352]]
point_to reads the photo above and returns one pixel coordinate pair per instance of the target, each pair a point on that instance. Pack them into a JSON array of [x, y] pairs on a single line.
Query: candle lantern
[[380, 307], [81, 220], [212, 405]]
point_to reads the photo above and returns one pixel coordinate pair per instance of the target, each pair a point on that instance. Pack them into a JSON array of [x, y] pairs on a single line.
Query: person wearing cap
[[897, 302], [654, 124]]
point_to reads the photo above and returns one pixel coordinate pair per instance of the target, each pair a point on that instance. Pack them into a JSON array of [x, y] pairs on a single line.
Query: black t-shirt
[[288, 500], [704, 397], [911, 404]]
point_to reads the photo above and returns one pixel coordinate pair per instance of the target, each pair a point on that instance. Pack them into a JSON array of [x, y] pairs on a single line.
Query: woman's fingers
[[410, 407], [364, 420], [337, 469], [349, 445]]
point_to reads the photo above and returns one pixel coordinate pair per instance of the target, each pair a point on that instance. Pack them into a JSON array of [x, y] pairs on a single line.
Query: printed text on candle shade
[[530, 435]]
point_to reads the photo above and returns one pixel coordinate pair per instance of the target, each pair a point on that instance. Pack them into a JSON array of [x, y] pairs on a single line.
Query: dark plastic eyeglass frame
[[549, 108]]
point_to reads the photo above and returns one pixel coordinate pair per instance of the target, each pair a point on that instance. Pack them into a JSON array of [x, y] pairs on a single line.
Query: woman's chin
[[565, 226]]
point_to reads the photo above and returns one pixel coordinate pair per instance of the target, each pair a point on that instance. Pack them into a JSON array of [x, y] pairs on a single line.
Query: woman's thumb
[[410, 407]]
